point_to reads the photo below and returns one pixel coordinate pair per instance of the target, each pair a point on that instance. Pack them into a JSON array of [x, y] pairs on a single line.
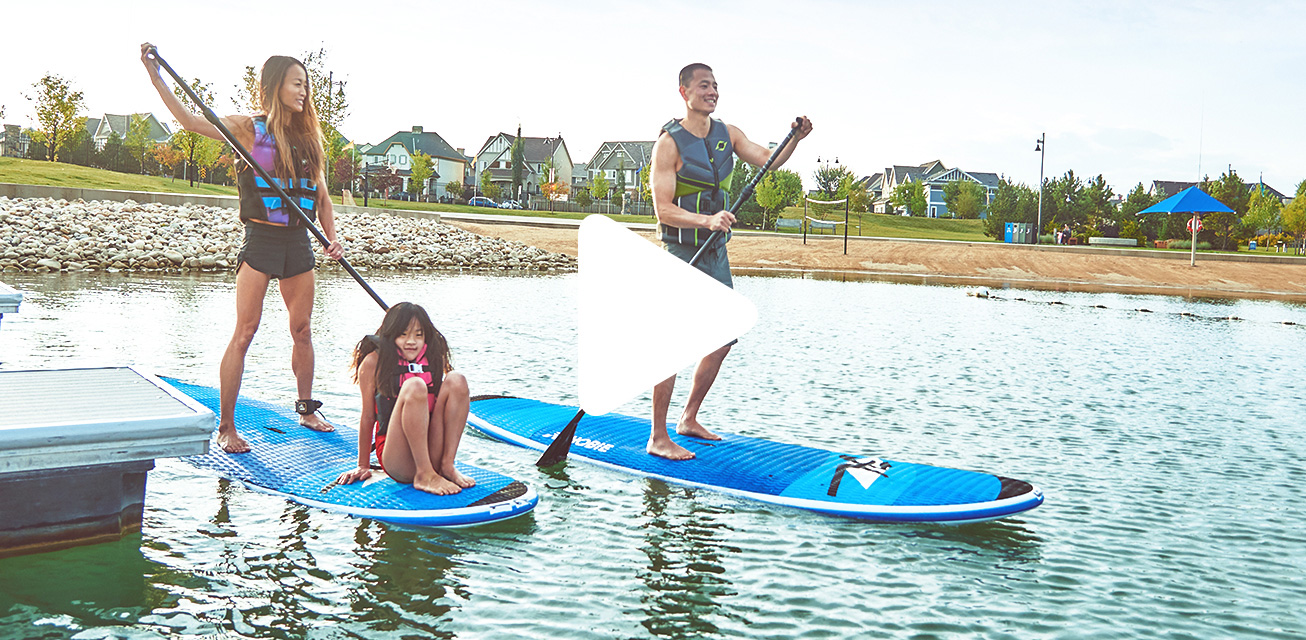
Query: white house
[[627, 157], [933, 176], [103, 127], [495, 156], [397, 151]]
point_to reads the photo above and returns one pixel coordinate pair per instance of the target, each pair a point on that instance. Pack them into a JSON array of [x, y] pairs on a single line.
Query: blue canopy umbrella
[[1191, 200]]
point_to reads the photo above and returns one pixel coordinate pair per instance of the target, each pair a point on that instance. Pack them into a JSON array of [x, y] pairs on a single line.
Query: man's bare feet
[[459, 479], [668, 449], [316, 423], [230, 441], [435, 483], [690, 427]]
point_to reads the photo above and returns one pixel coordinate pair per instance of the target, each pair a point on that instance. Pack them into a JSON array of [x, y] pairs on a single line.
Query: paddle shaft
[[213, 119], [748, 189], [561, 445]]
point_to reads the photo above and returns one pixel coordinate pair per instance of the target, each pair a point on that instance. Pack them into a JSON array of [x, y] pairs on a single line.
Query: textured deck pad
[[302, 465], [825, 481]]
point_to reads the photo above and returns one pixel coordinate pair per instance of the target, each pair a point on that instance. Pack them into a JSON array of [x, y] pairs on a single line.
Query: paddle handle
[[752, 184], [153, 53]]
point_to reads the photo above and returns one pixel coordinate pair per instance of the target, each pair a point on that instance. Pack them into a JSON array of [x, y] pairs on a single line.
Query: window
[[403, 160]]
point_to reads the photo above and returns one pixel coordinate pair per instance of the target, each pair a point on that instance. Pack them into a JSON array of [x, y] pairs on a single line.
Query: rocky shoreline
[[45, 235]]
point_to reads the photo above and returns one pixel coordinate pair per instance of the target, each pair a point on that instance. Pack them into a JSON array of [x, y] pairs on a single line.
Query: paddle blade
[[561, 445], [644, 315]]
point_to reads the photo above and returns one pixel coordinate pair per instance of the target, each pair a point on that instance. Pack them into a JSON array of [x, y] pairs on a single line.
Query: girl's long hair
[[298, 135], [396, 322]]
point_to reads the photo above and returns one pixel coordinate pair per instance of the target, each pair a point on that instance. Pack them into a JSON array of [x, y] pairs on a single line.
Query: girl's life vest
[[703, 182], [418, 368], [258, 200]]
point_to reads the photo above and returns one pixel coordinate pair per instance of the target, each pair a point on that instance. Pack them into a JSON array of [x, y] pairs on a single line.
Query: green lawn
[[894, 226], [59, 174]]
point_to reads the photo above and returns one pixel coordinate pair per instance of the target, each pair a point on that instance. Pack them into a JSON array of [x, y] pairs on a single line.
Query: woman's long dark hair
[[396, 322], [298, 135]]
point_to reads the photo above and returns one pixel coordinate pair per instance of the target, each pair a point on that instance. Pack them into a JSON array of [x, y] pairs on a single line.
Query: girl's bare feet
[[459, 479], [435, 483]]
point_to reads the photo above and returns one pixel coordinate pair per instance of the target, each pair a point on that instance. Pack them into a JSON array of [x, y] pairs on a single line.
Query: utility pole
[[1041, 147]]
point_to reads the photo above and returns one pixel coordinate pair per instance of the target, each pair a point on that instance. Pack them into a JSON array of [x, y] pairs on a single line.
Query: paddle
[[561, 445], [153, 53]]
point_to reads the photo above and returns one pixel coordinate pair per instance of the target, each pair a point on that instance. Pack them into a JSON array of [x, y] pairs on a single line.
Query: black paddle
[[153, 53], [561, 445]]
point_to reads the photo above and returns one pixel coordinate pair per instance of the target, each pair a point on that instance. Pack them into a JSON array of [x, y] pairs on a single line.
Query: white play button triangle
[[644, 315]]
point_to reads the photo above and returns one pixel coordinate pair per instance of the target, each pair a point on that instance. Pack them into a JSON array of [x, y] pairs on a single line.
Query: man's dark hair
[[687, 74]]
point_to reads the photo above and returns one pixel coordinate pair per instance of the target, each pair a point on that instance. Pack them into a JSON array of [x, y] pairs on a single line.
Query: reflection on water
[[685, 579], [1167, 445]]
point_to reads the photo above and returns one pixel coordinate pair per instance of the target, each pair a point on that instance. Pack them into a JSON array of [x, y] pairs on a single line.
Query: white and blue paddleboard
[[867, 487], [302, 465]]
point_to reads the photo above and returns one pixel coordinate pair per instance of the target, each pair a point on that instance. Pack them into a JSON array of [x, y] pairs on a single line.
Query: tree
[[1264, 213], [583, 198], [422, 171], [384, 181], [599, 186], [1294, 214], [1230, 190], [1138, 200], [167, 156], [227, 164], [828, 178], [518, 154], [345, 171], [646, 192], [200, 151], [138, 141], [246, 100], [57, 105], [1012, 203], [779, 189], [114, 152], [910, 196], [740, 176], [619, 197], [454, 189], [554, 190], [488, 187], [964, 199]]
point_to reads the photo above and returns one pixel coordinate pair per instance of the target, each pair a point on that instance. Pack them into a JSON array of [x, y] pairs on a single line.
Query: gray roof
[[121, 124], [428, 142], [534, 150], [640, 154]]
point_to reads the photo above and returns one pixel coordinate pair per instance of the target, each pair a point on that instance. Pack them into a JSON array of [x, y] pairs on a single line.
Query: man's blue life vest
[[703, 182], [258, 201]]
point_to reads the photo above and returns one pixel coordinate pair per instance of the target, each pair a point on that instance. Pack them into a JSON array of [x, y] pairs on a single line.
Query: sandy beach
[[1280, 277]]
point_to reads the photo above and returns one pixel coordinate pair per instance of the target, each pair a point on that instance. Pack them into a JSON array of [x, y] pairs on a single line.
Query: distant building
[[105, 126], [14, 141], [495, 156], [397, 151], [629, 157], [934, 176], [1171, 187]]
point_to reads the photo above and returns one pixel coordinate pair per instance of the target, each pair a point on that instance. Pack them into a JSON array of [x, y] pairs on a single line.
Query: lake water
[[1170, 449]]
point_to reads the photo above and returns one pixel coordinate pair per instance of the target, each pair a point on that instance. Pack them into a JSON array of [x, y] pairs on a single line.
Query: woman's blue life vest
[[703, 182], [258, 200], [419, 368]]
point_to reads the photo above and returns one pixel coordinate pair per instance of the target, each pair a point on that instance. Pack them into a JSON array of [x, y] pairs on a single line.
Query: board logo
[[865, 470], [584, 443]]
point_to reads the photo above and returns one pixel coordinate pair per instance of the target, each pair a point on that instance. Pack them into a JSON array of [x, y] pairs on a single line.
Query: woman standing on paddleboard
[[286, 140]]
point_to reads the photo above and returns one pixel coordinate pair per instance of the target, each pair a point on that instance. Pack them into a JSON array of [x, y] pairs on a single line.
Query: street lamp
[[1041, 147]]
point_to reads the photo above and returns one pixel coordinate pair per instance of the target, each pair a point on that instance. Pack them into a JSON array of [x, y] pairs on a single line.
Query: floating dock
[[76, 446]]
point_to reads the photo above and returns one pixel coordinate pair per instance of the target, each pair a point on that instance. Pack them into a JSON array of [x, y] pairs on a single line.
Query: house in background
[[397, 151], [1171, 187], [933, 176], [630, 158], [495, 156], [105, 126], [14, 141]]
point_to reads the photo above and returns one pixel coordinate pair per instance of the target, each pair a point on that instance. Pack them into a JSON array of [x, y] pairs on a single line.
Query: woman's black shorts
[[280, 252]]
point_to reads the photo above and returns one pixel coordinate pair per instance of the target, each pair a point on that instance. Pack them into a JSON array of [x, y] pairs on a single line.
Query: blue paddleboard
[[833, 483], [302, 465]]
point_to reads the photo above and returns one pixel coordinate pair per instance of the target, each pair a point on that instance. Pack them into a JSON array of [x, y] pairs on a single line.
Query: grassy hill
[[894, 226], [59, 174]]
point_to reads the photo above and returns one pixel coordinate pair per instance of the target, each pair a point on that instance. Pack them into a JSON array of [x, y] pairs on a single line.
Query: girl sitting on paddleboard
[[414, 404]]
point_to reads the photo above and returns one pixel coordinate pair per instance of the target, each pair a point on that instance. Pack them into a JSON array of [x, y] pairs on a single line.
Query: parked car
[[510, 204], [482, 201]]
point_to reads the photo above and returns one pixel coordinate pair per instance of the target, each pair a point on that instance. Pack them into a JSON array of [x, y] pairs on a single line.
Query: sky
[[1135, 91]]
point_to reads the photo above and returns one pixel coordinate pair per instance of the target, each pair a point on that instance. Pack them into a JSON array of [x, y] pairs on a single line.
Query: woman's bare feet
[[668, 449], [316, 423], [435, 483], [459, 479], [690, 427], [230, 441]]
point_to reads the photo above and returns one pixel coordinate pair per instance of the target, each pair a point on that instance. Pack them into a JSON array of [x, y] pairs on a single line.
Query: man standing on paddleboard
[[692, 164]]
